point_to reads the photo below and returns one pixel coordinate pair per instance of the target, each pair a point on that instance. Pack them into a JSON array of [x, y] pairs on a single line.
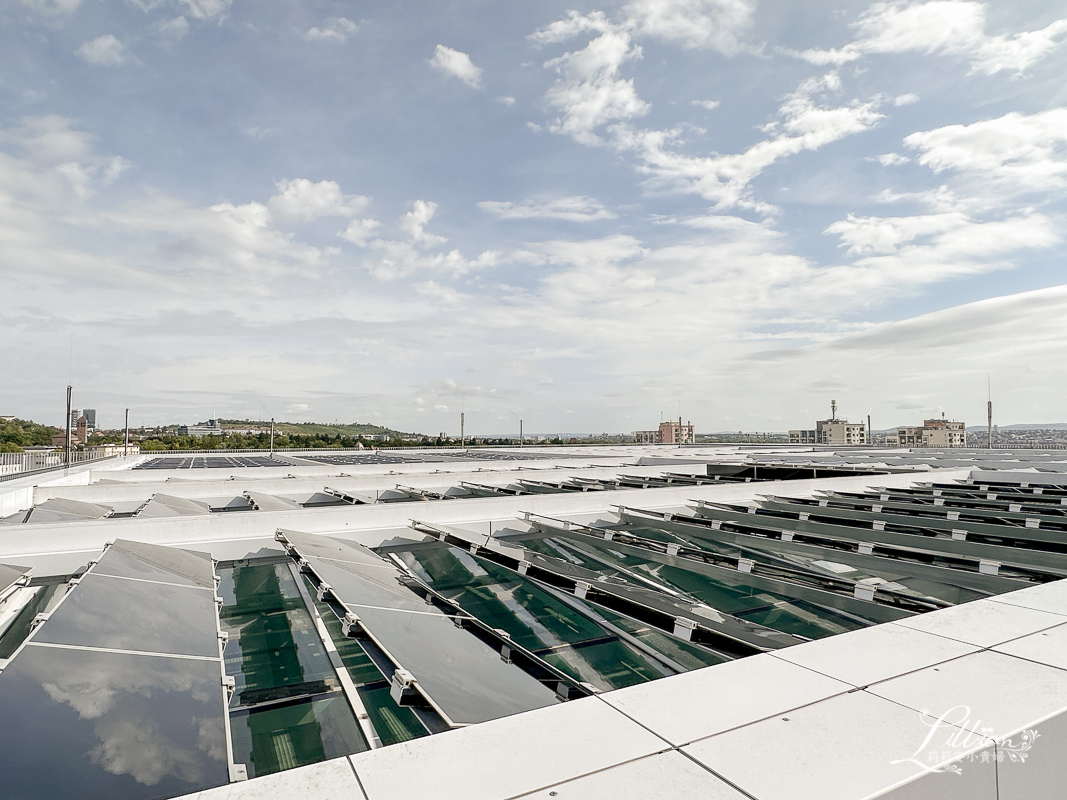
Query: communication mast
[[989, 412]]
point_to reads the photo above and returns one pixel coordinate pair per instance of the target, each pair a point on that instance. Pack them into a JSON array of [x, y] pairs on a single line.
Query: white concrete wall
[[202, 531]]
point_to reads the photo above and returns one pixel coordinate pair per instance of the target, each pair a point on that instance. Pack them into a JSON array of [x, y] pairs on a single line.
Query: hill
[[1035, 426], [18, 433], [352, 429]]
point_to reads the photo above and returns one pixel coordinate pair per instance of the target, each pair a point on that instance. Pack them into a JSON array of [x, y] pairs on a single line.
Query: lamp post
[[520, 426], [66, 448]]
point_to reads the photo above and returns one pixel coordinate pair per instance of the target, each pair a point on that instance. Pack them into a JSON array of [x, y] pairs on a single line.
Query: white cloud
[[360, 230], [391, 260], [506, 100], [115, 167], [591, 95], [803, 124], [260, 133], [570, 26], [940, 199], [439, 293], [413, 223], [206, 9], [573, 209], [943, 27], [49, 139], [301, 199], [51, 143], [172, 30], [892, 159], [1016, 152], [709, 105], [104, 51], [455, 64], [46, 232], [589, 92], [906, 99], [903, 254], [715, 24], [53, 6], [336, 29], [78, 176], [880, 235]]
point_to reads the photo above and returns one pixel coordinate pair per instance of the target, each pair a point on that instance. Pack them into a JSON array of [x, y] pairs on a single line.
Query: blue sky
[[583, 214]]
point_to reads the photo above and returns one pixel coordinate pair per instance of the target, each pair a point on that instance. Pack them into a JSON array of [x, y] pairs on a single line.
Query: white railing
[[14, 465]]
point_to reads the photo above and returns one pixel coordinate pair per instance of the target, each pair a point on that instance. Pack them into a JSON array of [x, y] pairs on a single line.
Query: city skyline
[[583, 214]]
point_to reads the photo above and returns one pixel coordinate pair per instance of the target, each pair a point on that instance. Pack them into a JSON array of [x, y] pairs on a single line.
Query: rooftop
[[703, 621]]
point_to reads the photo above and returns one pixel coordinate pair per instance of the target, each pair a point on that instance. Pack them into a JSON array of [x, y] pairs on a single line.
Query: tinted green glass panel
[[607, 665], [803, 619], [393, 723], [278, 738], [274, 650]]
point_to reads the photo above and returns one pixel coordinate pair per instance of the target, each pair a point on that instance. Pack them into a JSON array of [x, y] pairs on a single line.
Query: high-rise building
[[90, 417]]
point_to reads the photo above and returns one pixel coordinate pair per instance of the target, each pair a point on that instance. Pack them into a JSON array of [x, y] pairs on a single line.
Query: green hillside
[[18, 433], [352, 429]]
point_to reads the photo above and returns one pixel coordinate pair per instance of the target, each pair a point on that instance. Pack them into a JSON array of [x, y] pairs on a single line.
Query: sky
[[589, 216]]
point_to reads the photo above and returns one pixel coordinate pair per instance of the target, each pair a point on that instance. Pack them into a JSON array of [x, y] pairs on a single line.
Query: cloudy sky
[[583, 214]]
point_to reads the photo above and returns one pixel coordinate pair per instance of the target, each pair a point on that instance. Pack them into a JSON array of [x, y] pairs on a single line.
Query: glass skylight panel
[[393, 723], [272, 738], [273, 650], [9, 575], [119, 693], [461, 676], [533, 618], [685, 654], [98, 725], [120, 614], [151, 562]]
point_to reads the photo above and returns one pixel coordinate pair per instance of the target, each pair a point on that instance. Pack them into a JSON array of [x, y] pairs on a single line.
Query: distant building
[[90, 417], [933, 433], [669, 433], [676, 433], [804, 437], [832, 432], [6, 417], [82, 430], [210, 428]]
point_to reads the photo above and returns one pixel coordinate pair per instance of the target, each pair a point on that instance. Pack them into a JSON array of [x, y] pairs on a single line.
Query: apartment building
[[835, 432], [668, 433], [933, 433]]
